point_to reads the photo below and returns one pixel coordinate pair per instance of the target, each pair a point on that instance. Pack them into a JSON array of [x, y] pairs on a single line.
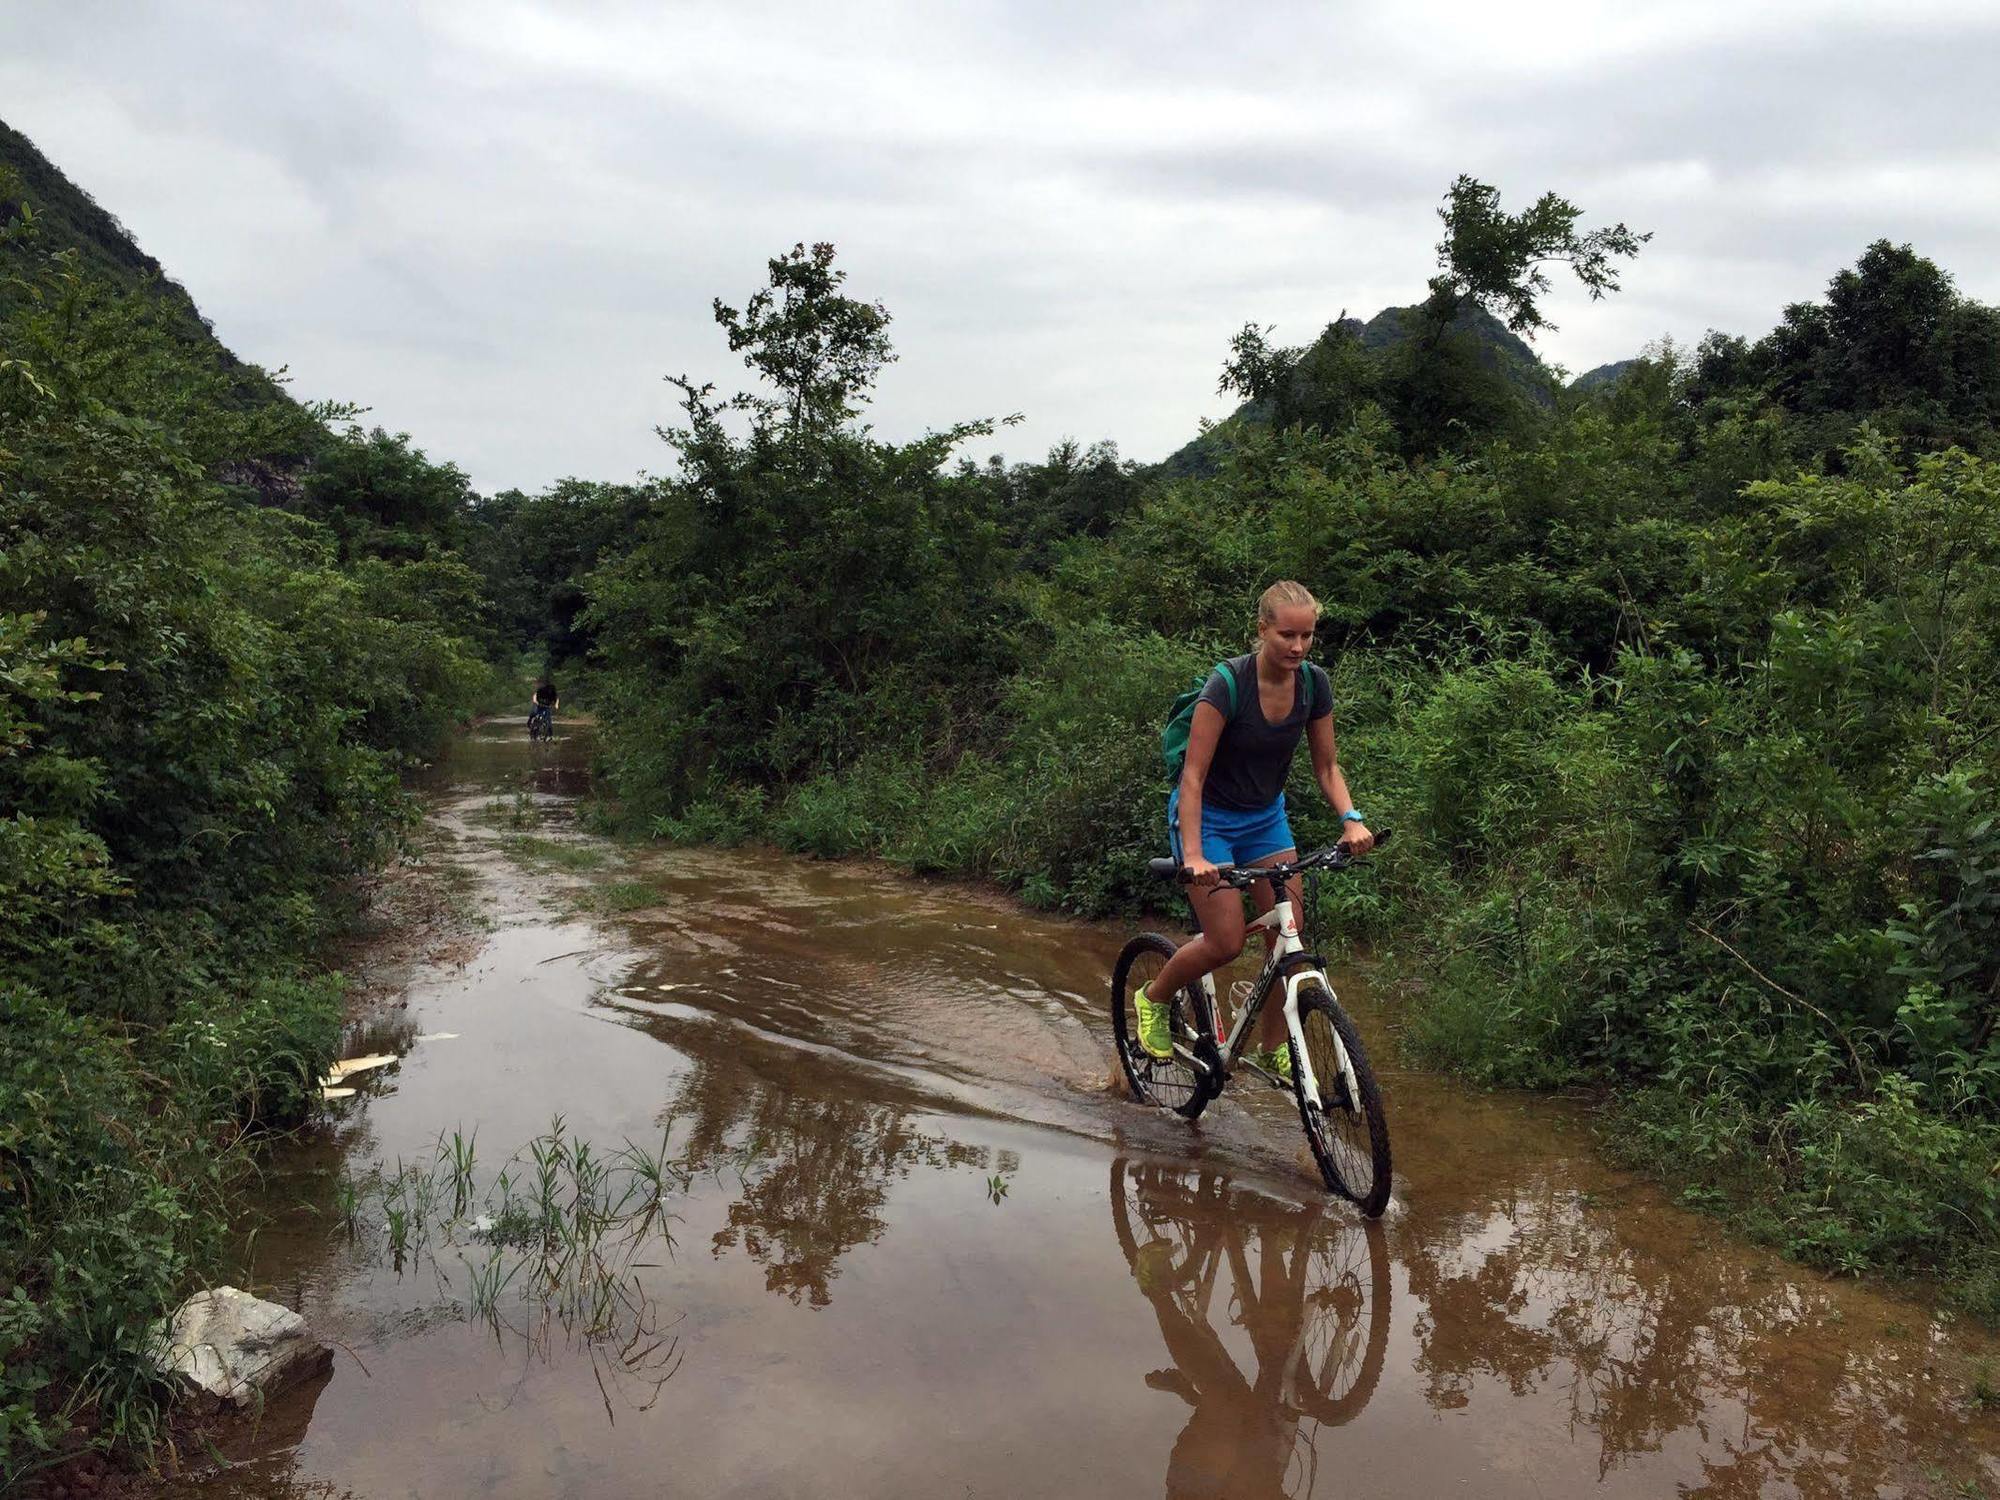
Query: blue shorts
[[1229, 837]]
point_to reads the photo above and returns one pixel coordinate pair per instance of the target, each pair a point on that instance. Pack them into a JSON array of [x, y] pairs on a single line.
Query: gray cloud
[[500, 223]]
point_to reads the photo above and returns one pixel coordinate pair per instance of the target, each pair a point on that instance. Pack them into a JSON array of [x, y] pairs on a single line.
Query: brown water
[[924, 1252]]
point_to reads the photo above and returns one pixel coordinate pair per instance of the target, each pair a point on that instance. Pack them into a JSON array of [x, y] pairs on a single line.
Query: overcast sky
[[499, 224]]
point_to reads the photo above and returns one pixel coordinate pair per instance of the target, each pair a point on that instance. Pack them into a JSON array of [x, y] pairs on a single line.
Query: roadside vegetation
[[1676, 683], [227, 622]]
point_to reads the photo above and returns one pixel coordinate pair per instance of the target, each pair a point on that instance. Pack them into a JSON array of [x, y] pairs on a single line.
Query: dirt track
[[922, 1251]]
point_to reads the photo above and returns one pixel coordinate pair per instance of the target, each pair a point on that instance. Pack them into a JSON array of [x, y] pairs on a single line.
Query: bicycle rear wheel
[[1346, 1129], [1169, 1083]]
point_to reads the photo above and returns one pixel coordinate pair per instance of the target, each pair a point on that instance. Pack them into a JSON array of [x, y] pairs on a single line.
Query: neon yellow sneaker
[[1156, 1032], [1278, 1060]]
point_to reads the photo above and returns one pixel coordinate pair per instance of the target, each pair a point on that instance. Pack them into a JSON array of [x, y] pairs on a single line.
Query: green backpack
[[1180, 720]]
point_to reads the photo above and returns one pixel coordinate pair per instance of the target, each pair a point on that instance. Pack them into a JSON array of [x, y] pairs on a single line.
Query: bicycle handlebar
[[1333, 857]]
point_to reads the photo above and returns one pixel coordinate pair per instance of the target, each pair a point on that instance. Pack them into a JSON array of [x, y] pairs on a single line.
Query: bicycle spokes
[[1173, 1082]]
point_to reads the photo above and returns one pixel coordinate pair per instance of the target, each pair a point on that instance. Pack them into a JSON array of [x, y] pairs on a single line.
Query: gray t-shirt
[[1253, 756]]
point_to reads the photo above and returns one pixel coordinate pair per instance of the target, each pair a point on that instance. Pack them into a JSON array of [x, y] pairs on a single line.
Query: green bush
[[116, 1161], [205, 700], [727, 816]]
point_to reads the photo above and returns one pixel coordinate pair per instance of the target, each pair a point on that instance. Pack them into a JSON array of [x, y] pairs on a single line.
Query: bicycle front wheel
[[1169, 1082], [1345, 1126], [1345, 1339]]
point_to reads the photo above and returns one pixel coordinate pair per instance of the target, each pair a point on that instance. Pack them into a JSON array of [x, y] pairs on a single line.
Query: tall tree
[[821, 350], [1498, 260]]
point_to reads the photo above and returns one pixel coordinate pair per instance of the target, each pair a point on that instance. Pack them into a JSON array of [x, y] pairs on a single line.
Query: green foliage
[[205, 698], [59, 217], [1495, 258], [381, 497], [857, 568], [727, 817], [1447, 377], [819, 350], [116, 1158], [1894, 345], [532, 553]]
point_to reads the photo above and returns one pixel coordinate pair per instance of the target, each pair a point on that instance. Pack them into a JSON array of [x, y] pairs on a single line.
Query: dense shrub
[[205, 699]]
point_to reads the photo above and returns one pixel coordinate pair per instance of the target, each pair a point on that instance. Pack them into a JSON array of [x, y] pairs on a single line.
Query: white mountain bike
[[1339, 1102]]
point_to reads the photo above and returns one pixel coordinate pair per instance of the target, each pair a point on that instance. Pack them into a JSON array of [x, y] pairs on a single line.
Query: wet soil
[[922, 1250]]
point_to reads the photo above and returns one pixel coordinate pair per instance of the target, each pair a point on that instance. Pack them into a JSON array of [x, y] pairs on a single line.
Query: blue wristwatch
[[1351, 816]]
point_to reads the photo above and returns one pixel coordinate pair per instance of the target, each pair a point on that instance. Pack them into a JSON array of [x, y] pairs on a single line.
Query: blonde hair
[[1283, 595]]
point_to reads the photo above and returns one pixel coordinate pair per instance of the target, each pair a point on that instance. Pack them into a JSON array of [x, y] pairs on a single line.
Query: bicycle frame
[[1281, 920]]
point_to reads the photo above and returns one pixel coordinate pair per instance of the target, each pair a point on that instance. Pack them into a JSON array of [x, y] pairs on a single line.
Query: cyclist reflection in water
[[1311, 1292]]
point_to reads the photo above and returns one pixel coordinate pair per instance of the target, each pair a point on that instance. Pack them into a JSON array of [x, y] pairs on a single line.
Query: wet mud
[[918, 1247]]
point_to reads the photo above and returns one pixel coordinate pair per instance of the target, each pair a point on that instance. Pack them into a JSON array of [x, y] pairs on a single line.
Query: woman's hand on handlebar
[[1358, 839], [1201, 873]]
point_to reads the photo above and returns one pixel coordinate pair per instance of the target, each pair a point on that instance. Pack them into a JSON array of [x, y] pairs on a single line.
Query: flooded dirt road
[[919, 1250]]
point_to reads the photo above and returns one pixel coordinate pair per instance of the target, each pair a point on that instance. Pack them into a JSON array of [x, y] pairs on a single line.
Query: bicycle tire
[[1165, 1085], [1330, 1122], [1312, 1387]]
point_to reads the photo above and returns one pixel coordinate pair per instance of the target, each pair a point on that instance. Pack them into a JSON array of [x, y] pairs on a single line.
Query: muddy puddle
[[912, 1247]]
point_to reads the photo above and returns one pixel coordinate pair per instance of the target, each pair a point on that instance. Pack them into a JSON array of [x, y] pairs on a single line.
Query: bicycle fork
[[1350, 1086]]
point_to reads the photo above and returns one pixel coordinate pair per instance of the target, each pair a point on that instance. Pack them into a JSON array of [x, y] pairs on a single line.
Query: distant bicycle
[[541, 724], [1339, 1102]]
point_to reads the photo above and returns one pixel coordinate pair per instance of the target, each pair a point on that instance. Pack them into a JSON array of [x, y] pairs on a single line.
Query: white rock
[[237, 1348]]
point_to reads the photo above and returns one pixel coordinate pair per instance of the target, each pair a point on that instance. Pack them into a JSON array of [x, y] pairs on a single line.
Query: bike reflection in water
[[1302, 1290]]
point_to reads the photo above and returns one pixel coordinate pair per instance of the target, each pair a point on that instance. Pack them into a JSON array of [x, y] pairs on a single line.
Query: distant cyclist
[[1229, 807], [542, 709]]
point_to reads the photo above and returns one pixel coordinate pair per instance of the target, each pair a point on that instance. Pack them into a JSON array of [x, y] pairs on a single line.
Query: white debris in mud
[[237, 1348], [348, 1066]]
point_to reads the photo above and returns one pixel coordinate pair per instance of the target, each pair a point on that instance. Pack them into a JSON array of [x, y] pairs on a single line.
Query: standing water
[[913, 1245]]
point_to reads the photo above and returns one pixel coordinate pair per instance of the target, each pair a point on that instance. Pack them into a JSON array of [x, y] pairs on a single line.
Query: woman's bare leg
[[1219, 909]]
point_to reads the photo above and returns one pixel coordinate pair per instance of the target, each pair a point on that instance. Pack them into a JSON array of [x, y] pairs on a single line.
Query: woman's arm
[[1203, 733], [1326, 771]]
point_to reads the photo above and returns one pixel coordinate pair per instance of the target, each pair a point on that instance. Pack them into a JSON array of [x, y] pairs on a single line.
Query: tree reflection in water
[[815, 1170], [1645, 1347], [1307, 1286]]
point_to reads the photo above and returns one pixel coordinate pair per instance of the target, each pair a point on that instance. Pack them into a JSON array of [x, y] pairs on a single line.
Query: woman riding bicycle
[[1229, 808]]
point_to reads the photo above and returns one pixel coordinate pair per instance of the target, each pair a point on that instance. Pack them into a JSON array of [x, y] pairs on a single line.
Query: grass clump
[[623, 896], [561, 1227], [554, 854]]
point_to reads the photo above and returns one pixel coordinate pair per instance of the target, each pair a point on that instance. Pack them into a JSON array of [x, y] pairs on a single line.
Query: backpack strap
[[1314, 677], [1308, 687]]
